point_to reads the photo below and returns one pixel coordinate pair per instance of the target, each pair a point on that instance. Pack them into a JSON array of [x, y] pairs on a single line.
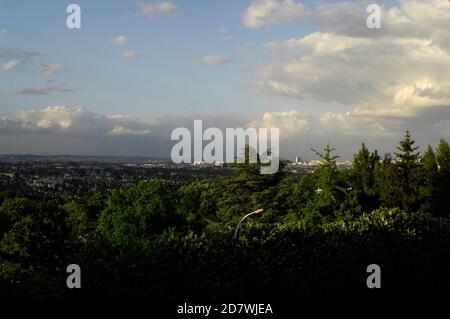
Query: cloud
[[293, 123], [50, 69], [262, 13], [38, 90], [75, 121], [77, 130], [426, 19], [165, 8], [125, 131], [21, 54], [119, 40], [396, 72], [245, 50], [299, 131], [130, 55], [215, 60], [79, 121], [3, 31], [221, 29], [10, 64]]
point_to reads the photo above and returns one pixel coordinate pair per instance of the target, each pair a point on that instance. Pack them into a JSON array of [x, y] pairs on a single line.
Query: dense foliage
[[316, 236]]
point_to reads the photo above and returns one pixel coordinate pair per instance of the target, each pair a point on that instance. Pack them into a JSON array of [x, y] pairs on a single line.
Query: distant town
[[71, 177]]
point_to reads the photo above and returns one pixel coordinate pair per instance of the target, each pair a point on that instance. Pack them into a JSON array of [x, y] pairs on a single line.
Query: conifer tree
[[407, 163], [386, 183], [364, 173], [443, 157], [329, 189], [429, 178], [442, 207]]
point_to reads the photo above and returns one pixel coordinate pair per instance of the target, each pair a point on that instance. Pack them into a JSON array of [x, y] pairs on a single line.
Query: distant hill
[[76, 158]]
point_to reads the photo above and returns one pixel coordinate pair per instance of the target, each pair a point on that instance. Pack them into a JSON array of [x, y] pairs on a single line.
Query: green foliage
[[13, 210], [364, 173], [134, 216], [442, 199], [82, 217], [198, 204], [406, 172], [166, 241], [428, 180]]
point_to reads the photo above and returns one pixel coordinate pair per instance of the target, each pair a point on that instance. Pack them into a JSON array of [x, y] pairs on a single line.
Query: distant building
[[219, 163]]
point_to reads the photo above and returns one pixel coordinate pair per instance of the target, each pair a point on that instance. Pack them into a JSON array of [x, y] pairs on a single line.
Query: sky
[[136, 70]]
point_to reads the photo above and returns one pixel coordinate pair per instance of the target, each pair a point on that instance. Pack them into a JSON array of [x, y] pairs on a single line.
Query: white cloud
[[426, 19], [262, 13], [77, 121], [166, 8], [10, 64], [50, 69], [125, 131], [397, 71], [130, 55], [3, 31], [290, 122], [294, 123], [119, 40], [215, 60], [383, 76], [77, 130]]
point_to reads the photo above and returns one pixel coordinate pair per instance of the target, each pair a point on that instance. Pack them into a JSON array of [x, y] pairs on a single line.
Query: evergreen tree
[[443, 157], [330, 187], [428, 177], [407, 163], [442, 207], [327, 174], [386, 182], [364, 173]]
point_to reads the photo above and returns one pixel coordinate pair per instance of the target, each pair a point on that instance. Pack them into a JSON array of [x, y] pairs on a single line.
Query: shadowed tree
[[428, 180], [443, 180], [387, 183], [364, 172], [406, 164]]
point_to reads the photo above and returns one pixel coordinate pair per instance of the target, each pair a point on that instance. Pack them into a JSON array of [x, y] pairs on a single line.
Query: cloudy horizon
[[137, 70]]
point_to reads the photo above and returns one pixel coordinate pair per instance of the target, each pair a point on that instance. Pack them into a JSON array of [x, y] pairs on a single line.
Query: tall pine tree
[[428, 180], [364, 172], [442, 207], [406, 164]]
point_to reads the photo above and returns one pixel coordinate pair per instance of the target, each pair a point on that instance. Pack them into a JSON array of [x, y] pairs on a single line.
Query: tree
[[331, 187], [443, 157], [198, 204], [248, 189], [13, 210], [83, 216], [135, 216], [364, 172], [407, 163], [442, 207], [387, 183], [428, 180]]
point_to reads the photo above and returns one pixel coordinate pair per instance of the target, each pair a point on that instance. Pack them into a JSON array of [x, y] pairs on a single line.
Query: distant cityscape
[[70, 177]]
